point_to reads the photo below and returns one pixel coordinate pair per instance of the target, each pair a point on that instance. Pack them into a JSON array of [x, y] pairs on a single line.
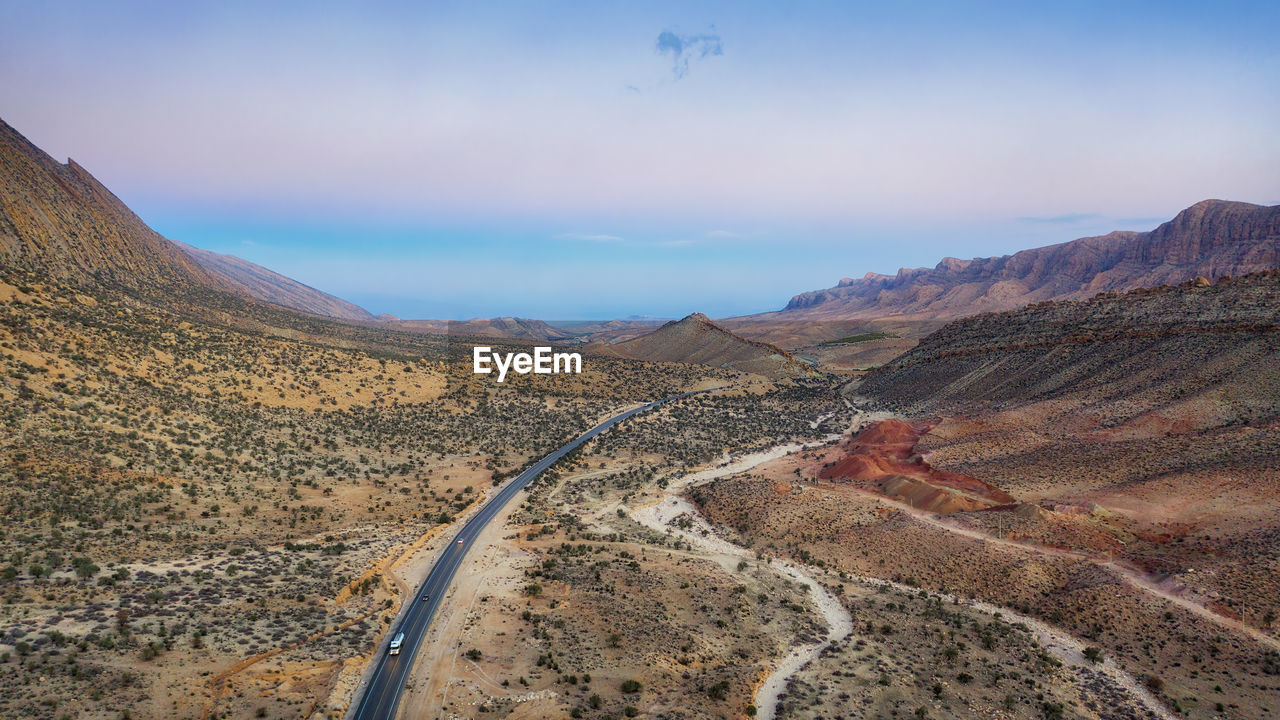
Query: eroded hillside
[[1107, 467], [695, 339]]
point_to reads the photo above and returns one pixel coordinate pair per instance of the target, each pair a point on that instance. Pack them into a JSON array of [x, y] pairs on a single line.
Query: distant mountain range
[[1173, 358], [1210, 239]]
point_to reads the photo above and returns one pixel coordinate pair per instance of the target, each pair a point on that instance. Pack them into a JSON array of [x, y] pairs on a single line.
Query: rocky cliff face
[[1212, 239], [59, 221]]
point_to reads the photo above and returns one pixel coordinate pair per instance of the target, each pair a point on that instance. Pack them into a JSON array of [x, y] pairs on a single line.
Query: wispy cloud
[[1065, 219], [723, 234], [683, 48], [588, 237]]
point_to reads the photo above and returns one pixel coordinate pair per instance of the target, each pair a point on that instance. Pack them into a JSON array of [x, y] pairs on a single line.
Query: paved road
[[382, 694]]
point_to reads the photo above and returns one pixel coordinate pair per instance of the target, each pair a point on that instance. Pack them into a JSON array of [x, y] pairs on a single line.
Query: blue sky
[[572, 160]]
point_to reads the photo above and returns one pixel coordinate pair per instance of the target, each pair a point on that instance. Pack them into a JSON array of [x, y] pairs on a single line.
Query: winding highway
[[382, 694]]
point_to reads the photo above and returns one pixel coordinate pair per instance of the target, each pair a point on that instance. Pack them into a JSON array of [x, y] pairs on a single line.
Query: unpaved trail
[[660, 516], [813, 425], [1131, 576]]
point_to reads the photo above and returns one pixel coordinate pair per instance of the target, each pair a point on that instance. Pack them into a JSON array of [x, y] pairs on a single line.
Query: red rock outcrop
[[883, 458]]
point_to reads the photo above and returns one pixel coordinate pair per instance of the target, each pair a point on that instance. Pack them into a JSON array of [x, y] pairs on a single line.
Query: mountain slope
[[1211, 239], [59, 221], [263, 284], [697, 340], [1187, 356]]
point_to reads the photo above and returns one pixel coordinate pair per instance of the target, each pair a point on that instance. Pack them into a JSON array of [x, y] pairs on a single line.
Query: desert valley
[[1043, 485]]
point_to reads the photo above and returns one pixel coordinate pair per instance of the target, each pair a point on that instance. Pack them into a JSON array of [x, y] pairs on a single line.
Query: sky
[[598, 160]]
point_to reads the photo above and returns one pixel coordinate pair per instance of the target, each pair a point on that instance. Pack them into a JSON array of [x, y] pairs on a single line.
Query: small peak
[[1211, 207], [953, 264]]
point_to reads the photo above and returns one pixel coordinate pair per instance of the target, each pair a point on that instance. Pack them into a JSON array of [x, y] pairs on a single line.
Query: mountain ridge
[[1212, 238], [264, 284], [58, 220]]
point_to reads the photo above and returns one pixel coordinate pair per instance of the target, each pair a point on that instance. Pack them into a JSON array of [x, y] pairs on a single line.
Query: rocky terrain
[[583, 612], [883, 458], [1107, 467], [1210, 239], [222, 491], [696, 339], [1188, 357], [58, 221]]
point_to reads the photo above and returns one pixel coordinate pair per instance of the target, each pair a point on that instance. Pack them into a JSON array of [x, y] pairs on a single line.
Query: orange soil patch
[[883, 458]]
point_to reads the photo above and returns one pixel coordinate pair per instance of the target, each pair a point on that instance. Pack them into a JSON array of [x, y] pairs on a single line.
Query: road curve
[[381, 696]]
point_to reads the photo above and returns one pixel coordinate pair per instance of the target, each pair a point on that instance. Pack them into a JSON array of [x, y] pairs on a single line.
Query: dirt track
[[1129, 575]]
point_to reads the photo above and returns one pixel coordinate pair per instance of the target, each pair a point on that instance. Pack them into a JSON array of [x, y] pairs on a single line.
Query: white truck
[[396, 642]]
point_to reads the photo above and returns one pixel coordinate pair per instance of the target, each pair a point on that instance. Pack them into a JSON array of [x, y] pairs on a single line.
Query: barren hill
[[1192, 355], [695, 339], [59, 221]]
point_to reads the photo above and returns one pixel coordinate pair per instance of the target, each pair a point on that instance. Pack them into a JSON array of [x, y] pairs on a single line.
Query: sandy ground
[[1133, 577], [660, 516]]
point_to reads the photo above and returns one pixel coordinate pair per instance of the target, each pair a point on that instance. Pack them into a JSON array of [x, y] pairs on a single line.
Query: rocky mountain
[[58, 221], [258, 282], [697, 340], [1210, 239], [1173, 358]]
